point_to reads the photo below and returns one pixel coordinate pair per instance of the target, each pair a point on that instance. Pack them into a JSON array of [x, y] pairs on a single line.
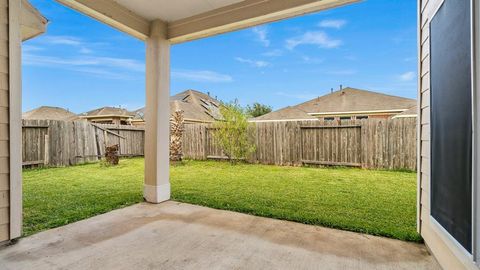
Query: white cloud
[[407, 76], [30, 48], [124, 63], [318, 38], [262, 35], [78, 43], [85, 50], [337, 24], [116, 68], [273, 53], [105, 73], [102, 62], [52, 61], [201, 76], [62, 40], [104, 67], [254, 63]]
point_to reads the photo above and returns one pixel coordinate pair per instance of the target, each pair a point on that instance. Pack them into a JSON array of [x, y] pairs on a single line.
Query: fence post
[[205, 141], [46, 158]]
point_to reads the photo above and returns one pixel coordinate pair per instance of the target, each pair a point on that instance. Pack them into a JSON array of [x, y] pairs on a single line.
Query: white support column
[[157, 115], [15, 119]]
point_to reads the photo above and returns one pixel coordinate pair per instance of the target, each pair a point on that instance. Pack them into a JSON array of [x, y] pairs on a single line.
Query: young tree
[[258, 109], [232, 133]]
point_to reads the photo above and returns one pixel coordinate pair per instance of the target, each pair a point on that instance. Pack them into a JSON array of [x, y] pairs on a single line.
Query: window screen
[[451, 120]]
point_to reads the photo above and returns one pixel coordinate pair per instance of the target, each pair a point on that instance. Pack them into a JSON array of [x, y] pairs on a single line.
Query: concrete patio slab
[[175, 235]]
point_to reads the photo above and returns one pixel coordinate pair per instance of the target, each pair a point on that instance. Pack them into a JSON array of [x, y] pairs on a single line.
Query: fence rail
[[369, 143]]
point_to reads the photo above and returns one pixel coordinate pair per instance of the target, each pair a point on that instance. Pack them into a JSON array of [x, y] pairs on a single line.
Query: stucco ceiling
[[172, 10]]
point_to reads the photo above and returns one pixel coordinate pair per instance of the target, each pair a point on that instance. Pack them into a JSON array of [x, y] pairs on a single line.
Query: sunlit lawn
[[374, 202]]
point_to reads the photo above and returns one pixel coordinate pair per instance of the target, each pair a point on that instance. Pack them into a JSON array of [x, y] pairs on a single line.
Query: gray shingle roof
[[109, 111], [346, 100], [49, 113], [195, 105], [287, 113]]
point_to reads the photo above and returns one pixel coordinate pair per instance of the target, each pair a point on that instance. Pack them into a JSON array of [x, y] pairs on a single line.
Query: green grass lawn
[[374, 202]]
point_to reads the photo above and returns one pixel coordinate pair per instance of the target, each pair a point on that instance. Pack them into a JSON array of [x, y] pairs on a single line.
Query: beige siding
[[448, 255], [4, 127]]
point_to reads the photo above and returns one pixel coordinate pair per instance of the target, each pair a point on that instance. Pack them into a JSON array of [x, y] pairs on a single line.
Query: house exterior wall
[[4, 124], [448, 254]]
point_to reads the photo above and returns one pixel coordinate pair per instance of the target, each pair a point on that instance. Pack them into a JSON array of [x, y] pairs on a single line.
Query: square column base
[[156, 194]]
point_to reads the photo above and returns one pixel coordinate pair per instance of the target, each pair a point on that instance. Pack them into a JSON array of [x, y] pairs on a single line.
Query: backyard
[[369, 201]]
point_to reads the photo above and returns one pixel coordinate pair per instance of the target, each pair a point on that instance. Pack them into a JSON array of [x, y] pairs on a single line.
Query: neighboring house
[[344, 104], [49, 113], [410, 113], [108, 115], [197, 107]]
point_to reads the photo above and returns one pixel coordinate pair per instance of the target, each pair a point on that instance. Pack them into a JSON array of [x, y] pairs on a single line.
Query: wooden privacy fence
[[64, 143], [369, 143]]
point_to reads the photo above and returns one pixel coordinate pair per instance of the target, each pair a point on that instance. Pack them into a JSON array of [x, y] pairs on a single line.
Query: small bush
[[232, 133]]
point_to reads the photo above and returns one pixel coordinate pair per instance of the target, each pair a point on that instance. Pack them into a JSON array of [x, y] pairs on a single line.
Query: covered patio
[[175, 235], [162, 234], [163, 23]]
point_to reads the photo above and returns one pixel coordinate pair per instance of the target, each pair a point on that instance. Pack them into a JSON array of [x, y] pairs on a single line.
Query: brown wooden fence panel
[[331, 145], [130, 139], [34, 136], [193, 144], [64, 143], [369, 143]]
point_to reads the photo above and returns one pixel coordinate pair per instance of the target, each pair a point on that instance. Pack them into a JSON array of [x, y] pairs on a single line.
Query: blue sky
[[81, 64]]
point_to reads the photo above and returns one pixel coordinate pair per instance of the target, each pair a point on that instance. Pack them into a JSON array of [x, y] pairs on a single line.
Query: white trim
[[419, 113], [281, 120], [244, 14], [458, 250], [15, 118], [156, 194], [405, 116], [435, 11], [476, 133], [361, 112], [113, 14], [221, 20]]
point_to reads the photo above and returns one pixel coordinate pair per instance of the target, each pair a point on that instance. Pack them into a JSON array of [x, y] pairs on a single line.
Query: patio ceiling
[[192, 19]]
